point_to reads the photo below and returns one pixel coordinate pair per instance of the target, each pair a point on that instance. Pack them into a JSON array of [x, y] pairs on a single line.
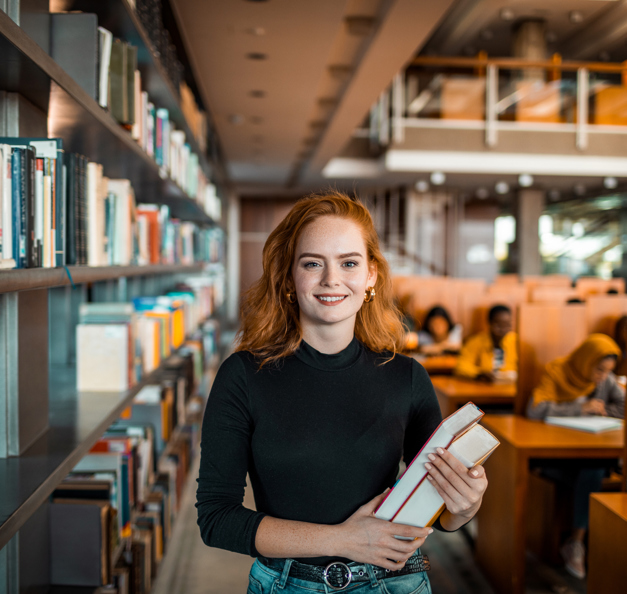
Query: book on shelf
[[413, 500], [591, 424], [80, 553]]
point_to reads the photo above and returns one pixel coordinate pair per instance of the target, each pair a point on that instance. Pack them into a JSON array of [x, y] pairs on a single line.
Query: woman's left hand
[[461, 488]]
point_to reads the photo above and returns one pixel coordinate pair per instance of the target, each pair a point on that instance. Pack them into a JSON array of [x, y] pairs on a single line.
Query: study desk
[[607, 570], [501, 537], [453, 392], [437, 365]]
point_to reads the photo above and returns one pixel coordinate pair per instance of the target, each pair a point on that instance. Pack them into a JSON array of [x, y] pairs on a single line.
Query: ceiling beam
[[406, 27]]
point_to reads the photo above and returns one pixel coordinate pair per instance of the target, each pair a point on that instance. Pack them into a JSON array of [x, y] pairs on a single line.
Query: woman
[[580, 384], [318, 407], [439, 334]]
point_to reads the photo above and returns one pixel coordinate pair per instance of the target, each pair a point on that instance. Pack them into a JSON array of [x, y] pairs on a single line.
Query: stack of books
[[414, 500]]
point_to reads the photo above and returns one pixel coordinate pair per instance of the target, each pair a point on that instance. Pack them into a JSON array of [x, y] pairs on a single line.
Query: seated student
[[438, 333], [492, 354], [580, 384]]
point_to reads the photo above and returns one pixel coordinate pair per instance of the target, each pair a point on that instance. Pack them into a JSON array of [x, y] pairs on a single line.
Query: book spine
[[29, 187], [16, 167], [71, 210], [7, 207], [59, 210], [39, 208]]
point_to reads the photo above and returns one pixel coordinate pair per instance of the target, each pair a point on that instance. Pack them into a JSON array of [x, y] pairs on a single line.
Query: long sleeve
[[544, 403], [469, 358], [615, 403], [225, 450]]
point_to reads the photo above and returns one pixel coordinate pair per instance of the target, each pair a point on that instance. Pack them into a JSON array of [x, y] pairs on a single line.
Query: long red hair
[[270, 325]]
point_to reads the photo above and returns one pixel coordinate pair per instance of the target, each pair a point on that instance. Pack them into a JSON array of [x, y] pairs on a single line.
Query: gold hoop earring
[[291, 297], [369, 295]]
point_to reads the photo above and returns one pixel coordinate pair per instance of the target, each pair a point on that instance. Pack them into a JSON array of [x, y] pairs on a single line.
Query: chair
[[545, 332], [603, 311], [549, 294], [592, 285]]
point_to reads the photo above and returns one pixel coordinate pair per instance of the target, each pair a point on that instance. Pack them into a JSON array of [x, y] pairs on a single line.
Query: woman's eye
[[311, 264], [350, 264]]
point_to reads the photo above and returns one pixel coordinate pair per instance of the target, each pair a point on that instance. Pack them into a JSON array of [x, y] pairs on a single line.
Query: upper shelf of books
[[122, 19], [88, 129]]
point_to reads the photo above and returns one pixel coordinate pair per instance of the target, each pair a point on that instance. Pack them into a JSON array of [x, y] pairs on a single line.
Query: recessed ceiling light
[[438, 178], [575, 16], [501, 187], [482, 193], [257, 31], [507, 14], [610, 183], [257, 56], [257, 93], [525, 180], [422, 185]]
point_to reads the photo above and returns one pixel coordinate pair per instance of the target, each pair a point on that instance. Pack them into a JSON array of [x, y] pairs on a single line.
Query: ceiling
[[287, 81]]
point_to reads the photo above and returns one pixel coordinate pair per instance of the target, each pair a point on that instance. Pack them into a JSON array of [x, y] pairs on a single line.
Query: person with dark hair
[[491, 355], [580, 384], [318, 408], [439, 334]]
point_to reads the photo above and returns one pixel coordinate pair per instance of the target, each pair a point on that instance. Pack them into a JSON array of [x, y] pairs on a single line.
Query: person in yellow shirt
[[492, 354]]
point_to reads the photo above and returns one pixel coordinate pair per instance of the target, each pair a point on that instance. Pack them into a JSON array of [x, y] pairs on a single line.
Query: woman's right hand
[[594, 406], [366, 539]]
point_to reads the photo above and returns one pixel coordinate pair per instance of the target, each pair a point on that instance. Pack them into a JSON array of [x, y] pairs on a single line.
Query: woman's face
[[331, 272], [602, 369], [438, 328]]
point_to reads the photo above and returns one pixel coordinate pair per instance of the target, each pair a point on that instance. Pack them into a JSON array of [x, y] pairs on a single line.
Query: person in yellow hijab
[[580, 384]]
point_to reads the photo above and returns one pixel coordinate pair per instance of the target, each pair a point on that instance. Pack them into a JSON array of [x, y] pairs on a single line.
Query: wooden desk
[[438, 365], [500, 545], [453, 392], [607, 570]]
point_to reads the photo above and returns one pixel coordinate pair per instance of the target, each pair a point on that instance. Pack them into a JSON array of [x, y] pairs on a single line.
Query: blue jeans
[[263, 580]]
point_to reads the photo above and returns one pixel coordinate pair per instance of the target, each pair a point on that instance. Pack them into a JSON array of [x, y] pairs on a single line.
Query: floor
[[190, 567]]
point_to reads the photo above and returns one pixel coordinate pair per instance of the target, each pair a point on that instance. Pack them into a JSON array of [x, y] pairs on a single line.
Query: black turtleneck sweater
[[320, 435]]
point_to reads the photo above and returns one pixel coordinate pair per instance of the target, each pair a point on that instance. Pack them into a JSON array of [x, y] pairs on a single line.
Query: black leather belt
[[339, 575]]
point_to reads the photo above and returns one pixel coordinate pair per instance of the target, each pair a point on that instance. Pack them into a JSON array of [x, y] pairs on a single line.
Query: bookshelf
[[48, 278], [85, 127], [39, 307]]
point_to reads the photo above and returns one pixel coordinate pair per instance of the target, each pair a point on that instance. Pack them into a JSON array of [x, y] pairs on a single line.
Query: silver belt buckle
[[325, 575]]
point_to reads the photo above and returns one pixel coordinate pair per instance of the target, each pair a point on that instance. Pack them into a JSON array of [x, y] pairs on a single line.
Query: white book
[[102, 357], [95, 215], [425, 504], [47, 210], [7, 202], [451, 427], [105, 39], [136, 131], [589, 424], [123, 240], [39, 207]]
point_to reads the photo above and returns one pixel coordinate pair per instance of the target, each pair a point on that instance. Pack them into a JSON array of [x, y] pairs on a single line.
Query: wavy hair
[[270, 327]]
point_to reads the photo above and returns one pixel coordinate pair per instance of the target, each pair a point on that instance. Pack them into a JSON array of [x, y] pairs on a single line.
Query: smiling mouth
[[331, 298]]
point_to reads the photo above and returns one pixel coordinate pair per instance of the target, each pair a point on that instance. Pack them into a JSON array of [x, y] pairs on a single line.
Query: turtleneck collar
[[336, 362]]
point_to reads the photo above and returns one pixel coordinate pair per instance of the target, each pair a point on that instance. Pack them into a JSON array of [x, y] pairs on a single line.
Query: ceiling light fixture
[[525, 180], [482, 193], [575, 16], [257, 31], [422, 185], [507, 14], [610, 183], [501, 187], [438, 178]]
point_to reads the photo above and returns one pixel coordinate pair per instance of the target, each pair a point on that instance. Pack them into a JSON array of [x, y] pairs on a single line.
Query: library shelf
[[25, 279], [120, 18], [83, 125], [77, 421]]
